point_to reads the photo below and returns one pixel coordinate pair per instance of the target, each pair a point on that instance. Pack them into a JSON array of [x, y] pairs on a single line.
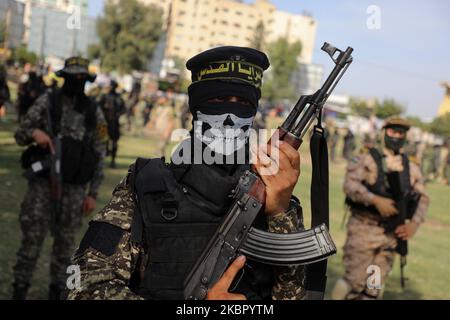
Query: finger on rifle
[[51, 147], [228, 277], [291, 154]]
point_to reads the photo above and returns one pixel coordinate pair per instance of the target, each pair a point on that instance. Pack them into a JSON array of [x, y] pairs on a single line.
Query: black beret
[[228, 53], [229, 64]]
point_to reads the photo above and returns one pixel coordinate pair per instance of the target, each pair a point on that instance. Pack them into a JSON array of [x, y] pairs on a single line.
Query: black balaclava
[[394, 144], [73, 86]]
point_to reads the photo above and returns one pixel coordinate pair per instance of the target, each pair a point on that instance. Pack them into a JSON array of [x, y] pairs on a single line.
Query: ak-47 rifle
[[237, 236], [406, 202], [55, 174]]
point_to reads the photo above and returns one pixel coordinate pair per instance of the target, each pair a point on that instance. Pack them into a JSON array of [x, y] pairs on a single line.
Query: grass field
[[428, 261]]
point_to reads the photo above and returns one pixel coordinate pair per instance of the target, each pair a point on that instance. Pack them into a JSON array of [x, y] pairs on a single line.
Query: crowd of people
[[89, 125]]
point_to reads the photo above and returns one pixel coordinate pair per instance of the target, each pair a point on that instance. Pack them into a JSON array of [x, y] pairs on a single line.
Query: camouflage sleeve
[[106, 275], [35, 118], [357, 171], [418, 184], [100, 139], [288, 280]]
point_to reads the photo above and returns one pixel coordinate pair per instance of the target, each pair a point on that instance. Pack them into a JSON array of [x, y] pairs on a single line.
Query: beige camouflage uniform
[[367, 244], [35, 209], [108, 277]]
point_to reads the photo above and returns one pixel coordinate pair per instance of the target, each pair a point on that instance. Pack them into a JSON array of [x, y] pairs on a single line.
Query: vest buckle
[[169, 214]]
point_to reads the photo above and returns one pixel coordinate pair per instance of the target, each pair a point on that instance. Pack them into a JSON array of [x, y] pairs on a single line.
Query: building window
[[224, 22], [179, 24], [237, 25], [239, 13]]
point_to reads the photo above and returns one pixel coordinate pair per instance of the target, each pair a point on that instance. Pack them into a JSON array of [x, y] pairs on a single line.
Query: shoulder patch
[[101, 236]]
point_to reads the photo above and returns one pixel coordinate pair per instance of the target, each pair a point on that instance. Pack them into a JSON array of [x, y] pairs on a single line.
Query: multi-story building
[[52, 34], [11, 14], [307, 79], [192, 26], [66, 6]]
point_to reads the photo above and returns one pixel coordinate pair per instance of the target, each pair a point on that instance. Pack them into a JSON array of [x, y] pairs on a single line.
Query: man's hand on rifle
[[88, 205], [385, 206], [220, 290], [406, 231], [284, 173], [43, 140]]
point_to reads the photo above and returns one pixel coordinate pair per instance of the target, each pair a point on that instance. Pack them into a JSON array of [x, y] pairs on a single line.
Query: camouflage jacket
[[362, 169], [107, 276], [72, 125]]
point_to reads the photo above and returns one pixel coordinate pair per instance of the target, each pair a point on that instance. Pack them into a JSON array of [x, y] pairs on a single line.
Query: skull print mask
[[223, 127]]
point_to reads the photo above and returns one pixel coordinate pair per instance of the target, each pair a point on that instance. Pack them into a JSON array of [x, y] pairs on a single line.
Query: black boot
[[20, 291], [54, 292]]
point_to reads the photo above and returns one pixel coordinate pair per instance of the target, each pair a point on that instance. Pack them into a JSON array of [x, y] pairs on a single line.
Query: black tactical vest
[[178, 209], [381, 187], [79, 157]]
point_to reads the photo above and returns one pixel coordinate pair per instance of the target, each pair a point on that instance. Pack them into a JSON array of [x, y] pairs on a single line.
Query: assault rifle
[[406, 202], [55, 175], [237, 236]]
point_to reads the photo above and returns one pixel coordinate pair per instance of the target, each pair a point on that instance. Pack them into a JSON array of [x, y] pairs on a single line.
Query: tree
[[283, 57], [2, 33], [258, 37], [23, 56], [128, 34], [441, 125], [360, 107], [94, 51], [417, 122], [388, 108]]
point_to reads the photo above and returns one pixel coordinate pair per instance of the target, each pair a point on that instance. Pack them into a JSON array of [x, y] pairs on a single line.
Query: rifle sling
[[316, 277]]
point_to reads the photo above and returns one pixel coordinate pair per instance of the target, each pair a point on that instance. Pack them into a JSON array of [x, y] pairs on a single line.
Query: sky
[[406, 58]]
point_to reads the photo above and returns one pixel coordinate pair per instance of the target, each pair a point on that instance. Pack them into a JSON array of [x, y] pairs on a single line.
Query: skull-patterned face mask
[[223, 127]]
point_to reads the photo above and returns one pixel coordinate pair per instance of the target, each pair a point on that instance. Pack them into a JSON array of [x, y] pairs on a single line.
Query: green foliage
[[417, 122], [128, 34], [360, 107], [2, 33], [283, 59], [94, 51], [387, 108], [23, 56], [258, 37], [441, 125]]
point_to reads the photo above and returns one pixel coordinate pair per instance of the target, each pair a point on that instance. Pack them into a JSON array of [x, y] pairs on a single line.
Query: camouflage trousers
[[366, 244], [34, 223]]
